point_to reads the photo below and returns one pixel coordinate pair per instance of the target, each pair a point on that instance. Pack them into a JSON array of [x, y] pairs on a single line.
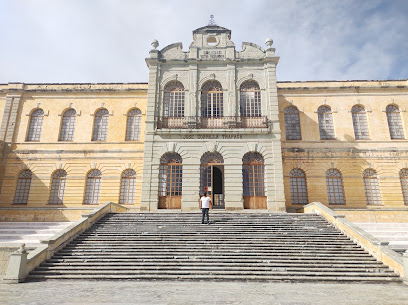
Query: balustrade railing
[[192, 122]]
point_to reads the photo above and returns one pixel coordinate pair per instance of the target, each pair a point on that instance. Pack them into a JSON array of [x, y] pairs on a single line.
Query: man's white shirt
[[205, 202]]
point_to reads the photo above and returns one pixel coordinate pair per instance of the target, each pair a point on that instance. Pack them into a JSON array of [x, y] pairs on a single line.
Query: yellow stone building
[[67, 147]]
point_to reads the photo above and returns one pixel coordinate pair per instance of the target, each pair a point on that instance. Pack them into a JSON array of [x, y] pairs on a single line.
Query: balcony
[[226, 122]]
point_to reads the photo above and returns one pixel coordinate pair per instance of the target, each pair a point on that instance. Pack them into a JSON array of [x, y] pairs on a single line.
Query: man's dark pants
[[205, 212]]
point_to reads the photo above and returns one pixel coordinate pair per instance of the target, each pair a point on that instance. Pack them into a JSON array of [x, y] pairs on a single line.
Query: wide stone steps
[[235, 247]]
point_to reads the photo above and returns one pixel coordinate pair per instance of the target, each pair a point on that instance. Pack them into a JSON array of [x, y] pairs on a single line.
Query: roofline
[[347, 80], [139, 83]]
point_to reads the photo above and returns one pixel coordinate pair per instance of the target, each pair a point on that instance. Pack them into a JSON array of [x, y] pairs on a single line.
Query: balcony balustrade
[[226, 122]]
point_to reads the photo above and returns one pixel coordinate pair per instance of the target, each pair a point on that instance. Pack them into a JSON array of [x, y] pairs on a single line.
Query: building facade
[[211, 119]]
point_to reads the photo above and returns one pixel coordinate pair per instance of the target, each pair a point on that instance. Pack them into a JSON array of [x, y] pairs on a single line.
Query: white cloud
[[108, 40]]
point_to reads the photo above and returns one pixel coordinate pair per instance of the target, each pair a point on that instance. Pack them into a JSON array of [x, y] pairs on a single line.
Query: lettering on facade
[[213, 55], [212, 136]]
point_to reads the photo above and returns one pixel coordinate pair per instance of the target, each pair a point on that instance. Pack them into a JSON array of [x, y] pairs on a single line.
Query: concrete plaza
[[161, 292]]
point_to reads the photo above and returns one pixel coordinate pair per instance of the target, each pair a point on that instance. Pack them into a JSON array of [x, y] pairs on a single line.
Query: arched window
[[133, 126], [58, 187], [128, 187], [23, 187], [325, 123], [298, 188], [335, 190], [292, 123], [394, 122], [253, 179], [93, 187], [360, 124], [68, 125], [170, 181], [371, 187], [100, 131], [211, 100], [404, 184], [173, 100], [35, 126], [250, 99]]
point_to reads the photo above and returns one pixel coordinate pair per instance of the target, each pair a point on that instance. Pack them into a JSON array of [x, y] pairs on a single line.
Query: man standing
[[205, 207]]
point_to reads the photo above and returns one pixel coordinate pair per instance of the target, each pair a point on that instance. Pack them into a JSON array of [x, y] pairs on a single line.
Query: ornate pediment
[[251, 51], [173, 51]]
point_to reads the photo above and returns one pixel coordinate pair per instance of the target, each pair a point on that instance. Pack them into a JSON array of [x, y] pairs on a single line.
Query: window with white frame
[[58, 182], [133, 125], [128, 187], [292, 123], [334, 184], [250, 99], [100, 131], [23, 187], [298, 187], [360, 124], [371, 187], [326, 127], [68, 125], [394, 122], [212, 100], [173, 102], [93, 187], [35, 125]]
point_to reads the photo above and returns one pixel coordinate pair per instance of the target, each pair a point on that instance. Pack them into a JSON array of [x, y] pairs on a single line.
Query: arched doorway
[[212, 178]]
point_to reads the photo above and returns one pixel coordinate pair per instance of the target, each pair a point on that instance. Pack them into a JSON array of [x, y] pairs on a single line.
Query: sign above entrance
[[212, 136]]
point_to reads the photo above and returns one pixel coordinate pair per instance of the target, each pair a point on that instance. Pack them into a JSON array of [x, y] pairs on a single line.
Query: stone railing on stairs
[[372, 245], [21, 262]]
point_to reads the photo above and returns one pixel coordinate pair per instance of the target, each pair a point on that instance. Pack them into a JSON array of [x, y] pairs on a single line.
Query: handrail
[[21, 263], [372, 245]]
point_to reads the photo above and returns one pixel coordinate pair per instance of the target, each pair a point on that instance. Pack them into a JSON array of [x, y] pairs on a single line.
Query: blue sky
[[108, 40]]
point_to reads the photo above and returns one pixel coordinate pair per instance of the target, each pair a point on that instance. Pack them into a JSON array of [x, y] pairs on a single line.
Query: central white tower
[[212, 126]]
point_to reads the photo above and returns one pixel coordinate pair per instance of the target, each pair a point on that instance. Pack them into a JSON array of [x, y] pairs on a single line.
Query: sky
[[88, 41]]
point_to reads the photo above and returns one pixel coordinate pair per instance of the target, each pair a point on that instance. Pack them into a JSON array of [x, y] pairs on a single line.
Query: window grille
[[35, 126], [212, 158], [100, 131], [292, 123], [23, 187], [326, 127], [134, 125], [250, 99], [174, 100], [371, 187], [253, 174], [360, 124], [128, 187], [58, 187], [211, 99], [335, 190], [170, 175], [68, 125], [394, 122], [404, 184], [298, 187], [93, 187]]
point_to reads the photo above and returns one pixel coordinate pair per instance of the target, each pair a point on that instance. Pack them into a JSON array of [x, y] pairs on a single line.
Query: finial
[[22, 249], [269, 42], [155, 44], [211, 22]]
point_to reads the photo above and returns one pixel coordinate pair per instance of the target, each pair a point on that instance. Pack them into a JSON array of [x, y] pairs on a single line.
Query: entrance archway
[[212, 178]]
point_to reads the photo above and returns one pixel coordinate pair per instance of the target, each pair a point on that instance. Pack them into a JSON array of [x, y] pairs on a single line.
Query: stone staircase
[[235, 247], [28, 233], [396, 233]]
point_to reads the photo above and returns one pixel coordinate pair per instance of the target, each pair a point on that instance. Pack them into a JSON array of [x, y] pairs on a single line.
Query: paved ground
[[219, 293]]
